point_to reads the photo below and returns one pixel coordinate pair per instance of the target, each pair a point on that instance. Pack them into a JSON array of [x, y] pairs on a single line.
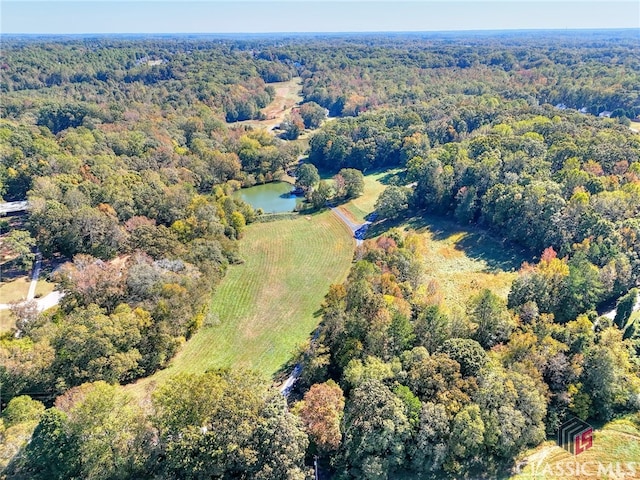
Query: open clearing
[[16, 291], [288, 95], [269, 305], [615, 445], [464, 260]]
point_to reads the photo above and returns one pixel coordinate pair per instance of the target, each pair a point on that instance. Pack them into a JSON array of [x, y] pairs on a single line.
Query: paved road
[[34, 278], [44, 303], [612, 313], [13, 207], [288, 384], [354, 227]]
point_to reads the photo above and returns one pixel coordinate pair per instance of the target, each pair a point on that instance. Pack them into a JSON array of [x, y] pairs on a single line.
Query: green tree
[[292, 126], [467, 433], [279, 442], [513, 408], [376, 429], [320, 195], [582, 290], [430, 448], [624, 308], [490, 314], [608, 376], [468, 353], [20, 244], [96, 432], [432, 327], [307, 176], [208, 424], [238, 223], [52, 453], [22, 409], [111, 432], [353, 182], [393, 202]]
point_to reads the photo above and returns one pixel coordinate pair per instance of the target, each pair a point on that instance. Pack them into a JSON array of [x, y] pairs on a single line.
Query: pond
[[271, 197]]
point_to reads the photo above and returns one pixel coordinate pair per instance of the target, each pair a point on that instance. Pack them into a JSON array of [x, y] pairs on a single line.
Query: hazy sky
[[241, 16]]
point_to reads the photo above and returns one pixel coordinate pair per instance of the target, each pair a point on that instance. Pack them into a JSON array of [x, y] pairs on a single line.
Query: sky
[[268, 16]]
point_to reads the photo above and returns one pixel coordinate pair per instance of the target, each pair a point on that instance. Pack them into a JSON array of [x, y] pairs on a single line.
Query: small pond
[[271, 197]]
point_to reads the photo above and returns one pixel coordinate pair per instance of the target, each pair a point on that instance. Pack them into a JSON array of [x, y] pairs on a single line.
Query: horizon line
[[331, 32]]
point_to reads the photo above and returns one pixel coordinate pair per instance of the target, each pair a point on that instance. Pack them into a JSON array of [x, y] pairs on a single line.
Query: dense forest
[[129, 151]]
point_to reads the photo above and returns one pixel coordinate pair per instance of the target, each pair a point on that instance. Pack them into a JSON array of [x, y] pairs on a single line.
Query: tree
[[582, 290], [468, 353], [432, 327], [393, 202], [608, 376], [238, 223], [430, 448], [60, 117], [490, 314], [307, 176], [89, 280], [312, 114], [52, 452], [111, 430], [91, 345], [22, 409], [320, 196], [467, 433], [321, 411], [434, 378], [25, 365], [21, 243], [292, 126], [207, 423], [376, 429], [353, 182], [25, 313], [95, 431], [279, 442], [624, 308], [512, 408]]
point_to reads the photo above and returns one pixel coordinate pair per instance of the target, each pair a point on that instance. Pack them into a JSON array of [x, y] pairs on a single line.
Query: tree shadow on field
[[475, 242], [393, 178]]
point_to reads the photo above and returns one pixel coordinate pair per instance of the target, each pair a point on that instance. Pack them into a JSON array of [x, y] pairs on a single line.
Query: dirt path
[[288, 95]]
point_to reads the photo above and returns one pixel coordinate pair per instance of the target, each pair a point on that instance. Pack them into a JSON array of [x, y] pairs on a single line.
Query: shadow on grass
[[10, 271], [393, 177], [474, 241]]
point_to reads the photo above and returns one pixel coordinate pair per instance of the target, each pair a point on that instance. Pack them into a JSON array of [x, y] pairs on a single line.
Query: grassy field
[[614, 445], [268, 306], [374, 185], [635, 126], [15, 291], [462, 260]]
